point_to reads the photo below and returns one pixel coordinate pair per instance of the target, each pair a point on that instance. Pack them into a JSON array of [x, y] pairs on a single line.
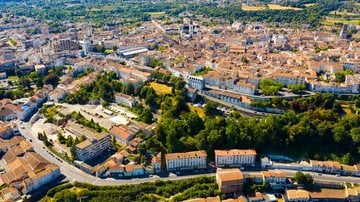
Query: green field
[[199, 110], [156, 14], [330, 21], [161, 88]]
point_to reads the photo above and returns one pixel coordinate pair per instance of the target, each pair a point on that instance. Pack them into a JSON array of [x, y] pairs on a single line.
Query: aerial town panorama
[[197, 101]]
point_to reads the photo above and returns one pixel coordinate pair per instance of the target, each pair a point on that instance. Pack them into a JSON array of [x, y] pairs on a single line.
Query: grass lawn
[[271, 7], [13, 78], [252, 8], [308, 5], [200, 111], [278, 7], [346, 108], [109, 51], [156, 14], [331, 21], [161, 88]]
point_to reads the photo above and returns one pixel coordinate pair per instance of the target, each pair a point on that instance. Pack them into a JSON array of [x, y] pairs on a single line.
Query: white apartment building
[[288, 78], [235, 158], [92, 148], [186, 161], [196, 82], [333, 87], [243, 87], [125, 99]]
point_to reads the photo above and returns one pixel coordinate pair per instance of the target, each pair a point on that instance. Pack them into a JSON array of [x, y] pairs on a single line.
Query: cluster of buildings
[[330, 167], [23, 170], [231, 184], [239, 60], [198, 160], [23, 109]]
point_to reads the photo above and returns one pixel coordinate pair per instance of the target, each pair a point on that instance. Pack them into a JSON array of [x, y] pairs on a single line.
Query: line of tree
[[155, 191]]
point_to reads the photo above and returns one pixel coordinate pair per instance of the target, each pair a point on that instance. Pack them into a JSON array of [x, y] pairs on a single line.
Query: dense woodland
[[312, 124], [99, 12]]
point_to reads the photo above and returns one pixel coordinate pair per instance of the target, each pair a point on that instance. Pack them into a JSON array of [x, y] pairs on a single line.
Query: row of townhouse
[[115, 168], [198, 160], [351, 194], [334, 167], [35, 102], [232, 81]]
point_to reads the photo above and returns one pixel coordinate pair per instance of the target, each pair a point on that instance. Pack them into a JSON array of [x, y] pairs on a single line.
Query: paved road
[[74, 174]]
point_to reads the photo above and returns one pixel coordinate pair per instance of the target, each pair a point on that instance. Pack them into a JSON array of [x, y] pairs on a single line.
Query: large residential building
[[289, 78], [186, 161], [196, 82], [125, 99], [229, 180], [95, 144], [325, 166], [64, 45], [124, 133], [91, 148], [235, 158]]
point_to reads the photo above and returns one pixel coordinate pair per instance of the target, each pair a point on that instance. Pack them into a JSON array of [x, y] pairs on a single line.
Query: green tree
[[51, 79], [270, 87], [297, 88], [301, 178]]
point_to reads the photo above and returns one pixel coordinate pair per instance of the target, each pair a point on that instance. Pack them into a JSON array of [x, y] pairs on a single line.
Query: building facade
[[235, 158], [186, 160], [229, 180], [91, 148]]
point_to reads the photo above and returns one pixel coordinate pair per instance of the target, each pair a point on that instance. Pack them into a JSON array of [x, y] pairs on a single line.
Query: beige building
[[186, 160], [124, 133], [235, 158], [229, 180], [297, 196], [325, 166], [91, 148], [125, 99], [276, 179], [29, 173]]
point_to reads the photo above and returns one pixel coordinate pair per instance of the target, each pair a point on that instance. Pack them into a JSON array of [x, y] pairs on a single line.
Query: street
[[73, 173]]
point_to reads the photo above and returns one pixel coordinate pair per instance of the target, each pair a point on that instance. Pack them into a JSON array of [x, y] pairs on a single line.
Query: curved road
[[73, 173]]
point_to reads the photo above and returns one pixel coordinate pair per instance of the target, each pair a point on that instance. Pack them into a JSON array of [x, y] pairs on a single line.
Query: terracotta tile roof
[[297, 194], [235, 152], [328, 194], [226, 175], [277, 174], [192, 154]]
